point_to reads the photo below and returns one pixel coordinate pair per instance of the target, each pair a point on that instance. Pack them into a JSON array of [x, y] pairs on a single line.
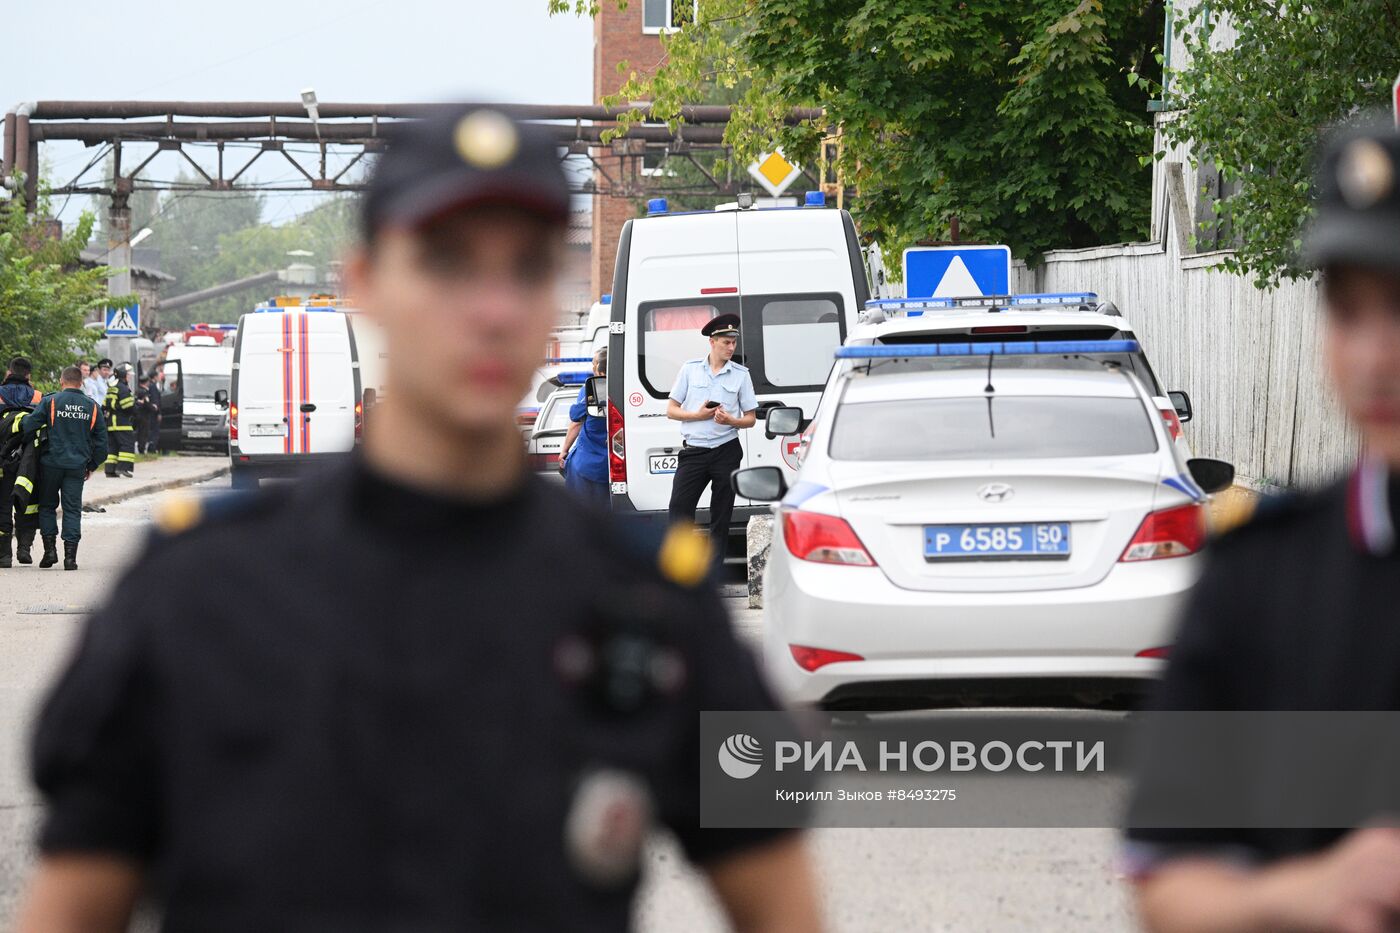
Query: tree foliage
[[208, 241], [1015, 116], [1255, 107], [45, 294]]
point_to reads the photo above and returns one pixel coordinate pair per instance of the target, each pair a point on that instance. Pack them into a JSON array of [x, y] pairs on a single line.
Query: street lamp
[[141, 235], [308, 100]]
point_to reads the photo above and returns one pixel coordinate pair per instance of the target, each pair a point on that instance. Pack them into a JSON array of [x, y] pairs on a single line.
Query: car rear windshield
[[994, 428]]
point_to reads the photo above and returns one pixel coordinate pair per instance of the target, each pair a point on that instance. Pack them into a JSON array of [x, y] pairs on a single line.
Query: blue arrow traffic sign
[[124, 322], [956, 271]]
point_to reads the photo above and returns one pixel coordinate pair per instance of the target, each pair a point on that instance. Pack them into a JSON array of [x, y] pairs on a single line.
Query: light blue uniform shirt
[[695, 385]]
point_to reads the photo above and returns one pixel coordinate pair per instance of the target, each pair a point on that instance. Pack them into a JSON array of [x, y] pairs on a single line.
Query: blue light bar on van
[[606, 299], [569, 359], [572, 378], [1011, 348], [815, 199], [657, 206]]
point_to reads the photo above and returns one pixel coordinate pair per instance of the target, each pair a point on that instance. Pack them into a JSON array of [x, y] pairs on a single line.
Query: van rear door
[[682, 271], [800, 296], [263, 358], [324, 411]]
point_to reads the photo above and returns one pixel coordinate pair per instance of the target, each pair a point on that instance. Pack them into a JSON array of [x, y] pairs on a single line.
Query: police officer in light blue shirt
[[712, 399]]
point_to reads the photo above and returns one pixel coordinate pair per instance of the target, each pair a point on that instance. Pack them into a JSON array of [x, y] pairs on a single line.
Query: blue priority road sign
[[124, 322], [956, 271]]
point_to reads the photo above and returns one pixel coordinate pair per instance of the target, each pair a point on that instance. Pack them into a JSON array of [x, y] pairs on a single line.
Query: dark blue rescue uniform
[[384, 711]]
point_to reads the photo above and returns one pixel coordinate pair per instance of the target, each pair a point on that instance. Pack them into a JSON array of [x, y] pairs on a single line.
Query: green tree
[[1255, 108], [187, 224], [324, 231], [1018, 117], [45, 294]]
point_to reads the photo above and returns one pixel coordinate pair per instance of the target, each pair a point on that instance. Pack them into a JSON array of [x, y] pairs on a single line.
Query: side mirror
[[221, 398], [761, 484], [1211, 475], [595, 396], [783, 421], [1182, 403]]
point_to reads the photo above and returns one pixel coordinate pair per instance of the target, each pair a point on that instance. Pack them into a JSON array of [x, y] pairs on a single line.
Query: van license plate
[[666, 463], [268, 430], [991, 542], [200, 433]]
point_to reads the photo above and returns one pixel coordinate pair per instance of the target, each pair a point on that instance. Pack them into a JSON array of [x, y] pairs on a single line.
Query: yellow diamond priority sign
[[774, 172]]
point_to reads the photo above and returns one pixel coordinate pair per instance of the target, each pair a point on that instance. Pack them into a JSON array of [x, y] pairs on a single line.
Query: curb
[[161, 486]]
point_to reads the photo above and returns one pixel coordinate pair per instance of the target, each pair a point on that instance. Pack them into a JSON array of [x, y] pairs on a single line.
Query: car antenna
[[990, 390]]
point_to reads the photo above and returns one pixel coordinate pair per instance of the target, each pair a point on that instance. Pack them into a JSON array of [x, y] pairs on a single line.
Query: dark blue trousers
[[68, 483]]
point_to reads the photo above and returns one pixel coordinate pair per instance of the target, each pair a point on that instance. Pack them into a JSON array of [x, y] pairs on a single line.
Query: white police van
[[796, 279], [295, 396]]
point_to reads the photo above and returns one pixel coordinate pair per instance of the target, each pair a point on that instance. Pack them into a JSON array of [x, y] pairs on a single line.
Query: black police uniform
[[1300, 608], [375, 717], [1295, 611], [389, 709]]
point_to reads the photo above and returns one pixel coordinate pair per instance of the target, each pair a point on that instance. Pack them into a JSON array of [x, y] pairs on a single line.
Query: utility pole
[[120, 349]]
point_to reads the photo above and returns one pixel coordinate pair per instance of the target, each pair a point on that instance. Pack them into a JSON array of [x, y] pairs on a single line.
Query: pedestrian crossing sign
[[957, 271], [124, 322]]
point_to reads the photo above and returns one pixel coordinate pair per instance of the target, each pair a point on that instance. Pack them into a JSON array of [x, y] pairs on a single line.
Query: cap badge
[[486, 139], [1365, 174]]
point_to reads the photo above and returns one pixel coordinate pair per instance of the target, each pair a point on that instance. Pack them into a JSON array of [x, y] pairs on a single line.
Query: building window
[[660, 16]]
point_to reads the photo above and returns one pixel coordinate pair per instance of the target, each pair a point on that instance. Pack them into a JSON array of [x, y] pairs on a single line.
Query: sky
[[353, 50]]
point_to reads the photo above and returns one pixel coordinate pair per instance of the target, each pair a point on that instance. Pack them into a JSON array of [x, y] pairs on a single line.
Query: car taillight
[[824, 539], [1161, 652], [1169, 533], [359, 420], [544, 462], [617, 446], [1173, 423], [809, 659], [526, 417], [233, 422]]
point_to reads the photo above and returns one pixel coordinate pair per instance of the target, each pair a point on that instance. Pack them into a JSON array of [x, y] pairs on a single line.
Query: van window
[[800, 336], [789, 341], [670, 335]]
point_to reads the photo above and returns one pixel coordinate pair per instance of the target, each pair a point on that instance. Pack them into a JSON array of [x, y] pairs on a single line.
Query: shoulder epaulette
[[183, 510]]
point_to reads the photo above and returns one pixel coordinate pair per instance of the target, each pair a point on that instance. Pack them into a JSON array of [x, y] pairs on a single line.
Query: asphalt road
[[872, 879]]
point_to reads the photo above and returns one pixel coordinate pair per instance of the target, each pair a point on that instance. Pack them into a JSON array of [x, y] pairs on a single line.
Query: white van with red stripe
[[295, 396]]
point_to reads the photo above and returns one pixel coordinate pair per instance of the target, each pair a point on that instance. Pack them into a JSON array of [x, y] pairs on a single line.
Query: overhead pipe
[[130, 109], [217, 291], [92, 133]]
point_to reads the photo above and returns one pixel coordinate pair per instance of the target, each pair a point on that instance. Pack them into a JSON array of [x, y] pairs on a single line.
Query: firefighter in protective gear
[[120, 406], [19, 512], [76, 442]]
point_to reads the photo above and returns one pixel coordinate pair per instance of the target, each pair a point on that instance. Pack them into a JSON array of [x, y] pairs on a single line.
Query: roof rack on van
[[1026, 348], [879, 310]]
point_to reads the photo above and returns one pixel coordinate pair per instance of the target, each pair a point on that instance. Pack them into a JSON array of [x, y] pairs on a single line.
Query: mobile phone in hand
[[712, 405]]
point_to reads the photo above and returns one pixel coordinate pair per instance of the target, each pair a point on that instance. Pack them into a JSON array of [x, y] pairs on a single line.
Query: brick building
[[633, 36]]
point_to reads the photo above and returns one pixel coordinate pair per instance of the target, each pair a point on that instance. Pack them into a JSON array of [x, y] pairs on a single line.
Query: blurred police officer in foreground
[[712, 399], [1300, 609], [377, 717]]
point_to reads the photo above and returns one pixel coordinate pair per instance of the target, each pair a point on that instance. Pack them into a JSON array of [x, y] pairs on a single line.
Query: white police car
[[1012, 318], [979, 521]]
